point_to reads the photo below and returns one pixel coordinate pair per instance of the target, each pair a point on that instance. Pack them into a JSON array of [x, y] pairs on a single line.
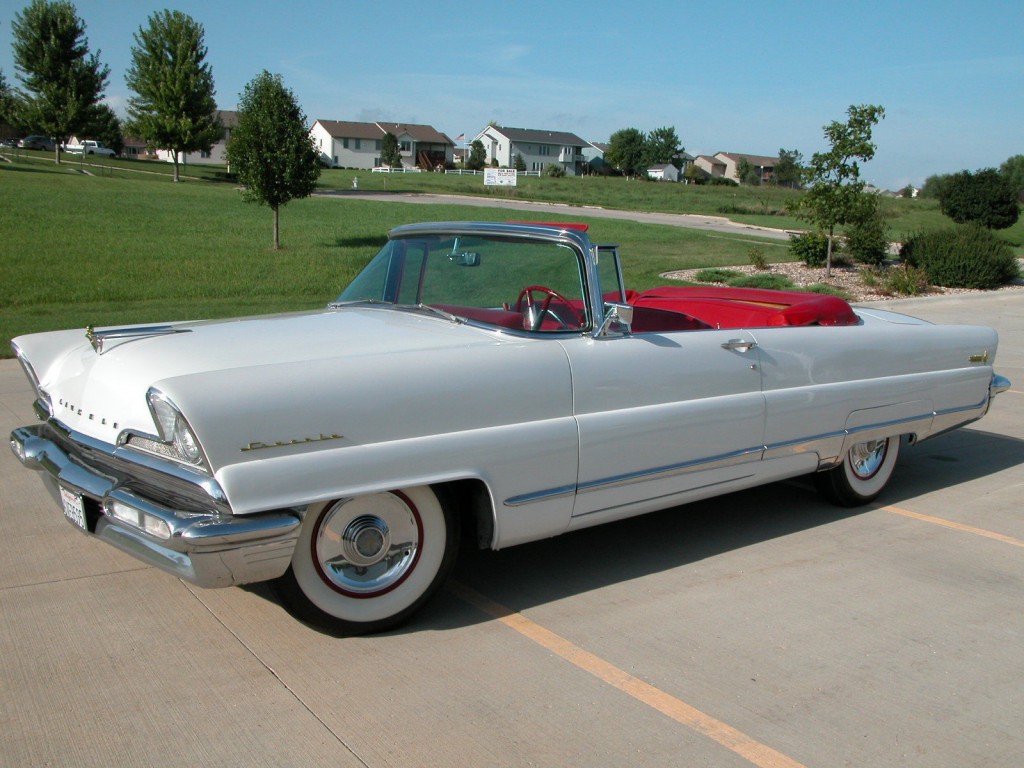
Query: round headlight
[[186, 442]]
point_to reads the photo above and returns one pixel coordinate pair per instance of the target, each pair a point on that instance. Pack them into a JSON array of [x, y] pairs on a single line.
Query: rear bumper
[[208, 548]]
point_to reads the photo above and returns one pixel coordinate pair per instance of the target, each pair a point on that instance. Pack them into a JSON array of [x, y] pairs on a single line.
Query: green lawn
[[124, 248], [117, 242]]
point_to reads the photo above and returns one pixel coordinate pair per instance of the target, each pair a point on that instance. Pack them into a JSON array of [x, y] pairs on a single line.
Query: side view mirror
[[465, 259], [618, 320]]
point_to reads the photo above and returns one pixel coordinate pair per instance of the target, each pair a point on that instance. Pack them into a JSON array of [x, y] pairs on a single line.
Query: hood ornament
[[97, 338]]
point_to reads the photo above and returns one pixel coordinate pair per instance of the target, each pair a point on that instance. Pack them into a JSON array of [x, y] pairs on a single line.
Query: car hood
[[102, 393]]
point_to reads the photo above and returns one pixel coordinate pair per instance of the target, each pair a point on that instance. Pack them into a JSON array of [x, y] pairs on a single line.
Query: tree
[[662, 146], [748, 173], [836, 196], [390, 154], [271, 150], [477, 156], [984, 198], [63, 83], [789, 170], [627, 151], [519, 164], [1013, 171], [173, 108], [935, 185], [106, 127]]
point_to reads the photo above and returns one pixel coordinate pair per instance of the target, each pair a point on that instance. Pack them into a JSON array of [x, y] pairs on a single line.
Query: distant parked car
[[88, 147], [37, 142]]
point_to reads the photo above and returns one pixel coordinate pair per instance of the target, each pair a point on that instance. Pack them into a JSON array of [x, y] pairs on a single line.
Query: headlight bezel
[[175, 432]]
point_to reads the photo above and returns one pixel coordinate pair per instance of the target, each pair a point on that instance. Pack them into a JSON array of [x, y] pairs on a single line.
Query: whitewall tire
[[863, 473]]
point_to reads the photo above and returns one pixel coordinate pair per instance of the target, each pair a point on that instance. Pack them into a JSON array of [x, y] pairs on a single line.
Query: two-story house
[[358, 145], [726, 164], [539, 149]]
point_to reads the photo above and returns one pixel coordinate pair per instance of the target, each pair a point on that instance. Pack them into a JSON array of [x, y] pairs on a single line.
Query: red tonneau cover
[[749, 307]]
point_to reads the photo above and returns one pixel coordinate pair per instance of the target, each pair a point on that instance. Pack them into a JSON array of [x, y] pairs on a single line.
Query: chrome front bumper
[[207, 548]]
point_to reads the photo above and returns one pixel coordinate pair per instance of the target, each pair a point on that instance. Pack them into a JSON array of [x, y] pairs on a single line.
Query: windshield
[[513, 283]]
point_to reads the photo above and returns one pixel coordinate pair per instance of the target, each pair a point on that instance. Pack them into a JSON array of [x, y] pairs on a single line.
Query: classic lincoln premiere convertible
[[492, 379]]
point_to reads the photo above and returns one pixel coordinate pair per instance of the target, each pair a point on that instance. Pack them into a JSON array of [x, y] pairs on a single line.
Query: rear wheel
[[863, 473], [367, 563]]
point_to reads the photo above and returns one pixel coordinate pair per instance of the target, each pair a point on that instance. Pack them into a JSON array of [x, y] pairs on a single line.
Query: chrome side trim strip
[[667, 471], [530, 498], [731, 458]]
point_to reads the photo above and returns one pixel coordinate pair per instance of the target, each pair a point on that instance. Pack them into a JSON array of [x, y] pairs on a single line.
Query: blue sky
[[749, 77]]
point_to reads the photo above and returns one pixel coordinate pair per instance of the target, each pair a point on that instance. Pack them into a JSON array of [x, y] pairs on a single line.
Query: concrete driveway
[[764, 628]]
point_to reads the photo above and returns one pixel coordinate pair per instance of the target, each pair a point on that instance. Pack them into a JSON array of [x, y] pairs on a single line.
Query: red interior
[[684, 308]]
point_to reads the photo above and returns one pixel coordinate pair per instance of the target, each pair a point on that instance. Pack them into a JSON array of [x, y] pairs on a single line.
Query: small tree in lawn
[[63, 83], [836, 195], [477, 156], [390, 154], [174, 106], [271, 150]]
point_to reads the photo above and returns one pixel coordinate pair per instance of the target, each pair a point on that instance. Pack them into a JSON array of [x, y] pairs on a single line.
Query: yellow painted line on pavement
[[955, 526], [754, 751]]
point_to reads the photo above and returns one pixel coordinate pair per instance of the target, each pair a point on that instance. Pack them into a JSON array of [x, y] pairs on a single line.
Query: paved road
[[551, 212], [765, 628]]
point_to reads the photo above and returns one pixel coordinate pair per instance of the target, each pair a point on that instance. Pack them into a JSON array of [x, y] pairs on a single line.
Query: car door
[[664, 418]]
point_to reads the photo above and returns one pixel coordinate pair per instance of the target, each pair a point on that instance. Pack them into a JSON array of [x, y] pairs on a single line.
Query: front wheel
[[863, 473], [367, 563]]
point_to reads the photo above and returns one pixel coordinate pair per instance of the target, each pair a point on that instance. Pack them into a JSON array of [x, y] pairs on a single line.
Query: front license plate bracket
[[73, 505]]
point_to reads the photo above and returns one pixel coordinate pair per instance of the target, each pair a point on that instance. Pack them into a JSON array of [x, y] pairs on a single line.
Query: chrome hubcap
[[866, 458], [367, 546]]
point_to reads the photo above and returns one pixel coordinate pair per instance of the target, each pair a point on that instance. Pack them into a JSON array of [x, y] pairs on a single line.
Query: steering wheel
[[533, 317]]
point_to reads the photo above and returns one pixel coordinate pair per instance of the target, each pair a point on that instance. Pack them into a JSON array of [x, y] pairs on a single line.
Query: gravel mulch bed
[[848, 279]]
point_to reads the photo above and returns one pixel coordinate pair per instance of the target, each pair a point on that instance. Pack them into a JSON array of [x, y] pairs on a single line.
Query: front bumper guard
[[209, 549]]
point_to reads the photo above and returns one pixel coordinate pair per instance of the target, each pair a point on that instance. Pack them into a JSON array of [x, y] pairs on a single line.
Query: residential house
[[538, 148], [726, 164], [663, 172], [358, 145], [593, 155], [218, 152]]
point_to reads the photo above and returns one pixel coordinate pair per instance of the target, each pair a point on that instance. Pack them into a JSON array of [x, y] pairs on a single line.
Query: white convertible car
[[497, 379]]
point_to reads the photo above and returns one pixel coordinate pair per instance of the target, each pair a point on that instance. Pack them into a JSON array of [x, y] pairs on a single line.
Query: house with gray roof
[[726, 164], [538, 148], [358, 145]]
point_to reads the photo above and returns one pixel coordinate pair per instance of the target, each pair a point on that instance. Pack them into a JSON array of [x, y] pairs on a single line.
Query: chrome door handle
[[740, 345]]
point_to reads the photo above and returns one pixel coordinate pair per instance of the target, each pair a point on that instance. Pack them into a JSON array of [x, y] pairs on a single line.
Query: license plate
[[74, 510]]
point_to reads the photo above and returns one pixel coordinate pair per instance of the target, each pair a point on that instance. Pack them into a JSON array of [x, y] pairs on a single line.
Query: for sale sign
[[499, 177]]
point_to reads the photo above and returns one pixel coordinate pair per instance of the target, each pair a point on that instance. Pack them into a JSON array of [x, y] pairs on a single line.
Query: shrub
[[968, 256], [906, 280], [866, 240], [716, 275], [771, 282], [811, 248], [554, 171], [984, 197], [757, 258], [828, 290]]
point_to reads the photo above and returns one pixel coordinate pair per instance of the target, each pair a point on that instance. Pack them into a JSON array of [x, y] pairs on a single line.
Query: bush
[[968, 256], [716, 275], [554, 171], [828, 290], [866, 240], [811, 248], [757, 258], [984, 198], [906, 280], [771, 282]]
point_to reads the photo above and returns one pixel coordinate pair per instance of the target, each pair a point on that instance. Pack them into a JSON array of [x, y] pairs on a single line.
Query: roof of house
[[350, 130], [533, 136], [228, 118], [757, 160]]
